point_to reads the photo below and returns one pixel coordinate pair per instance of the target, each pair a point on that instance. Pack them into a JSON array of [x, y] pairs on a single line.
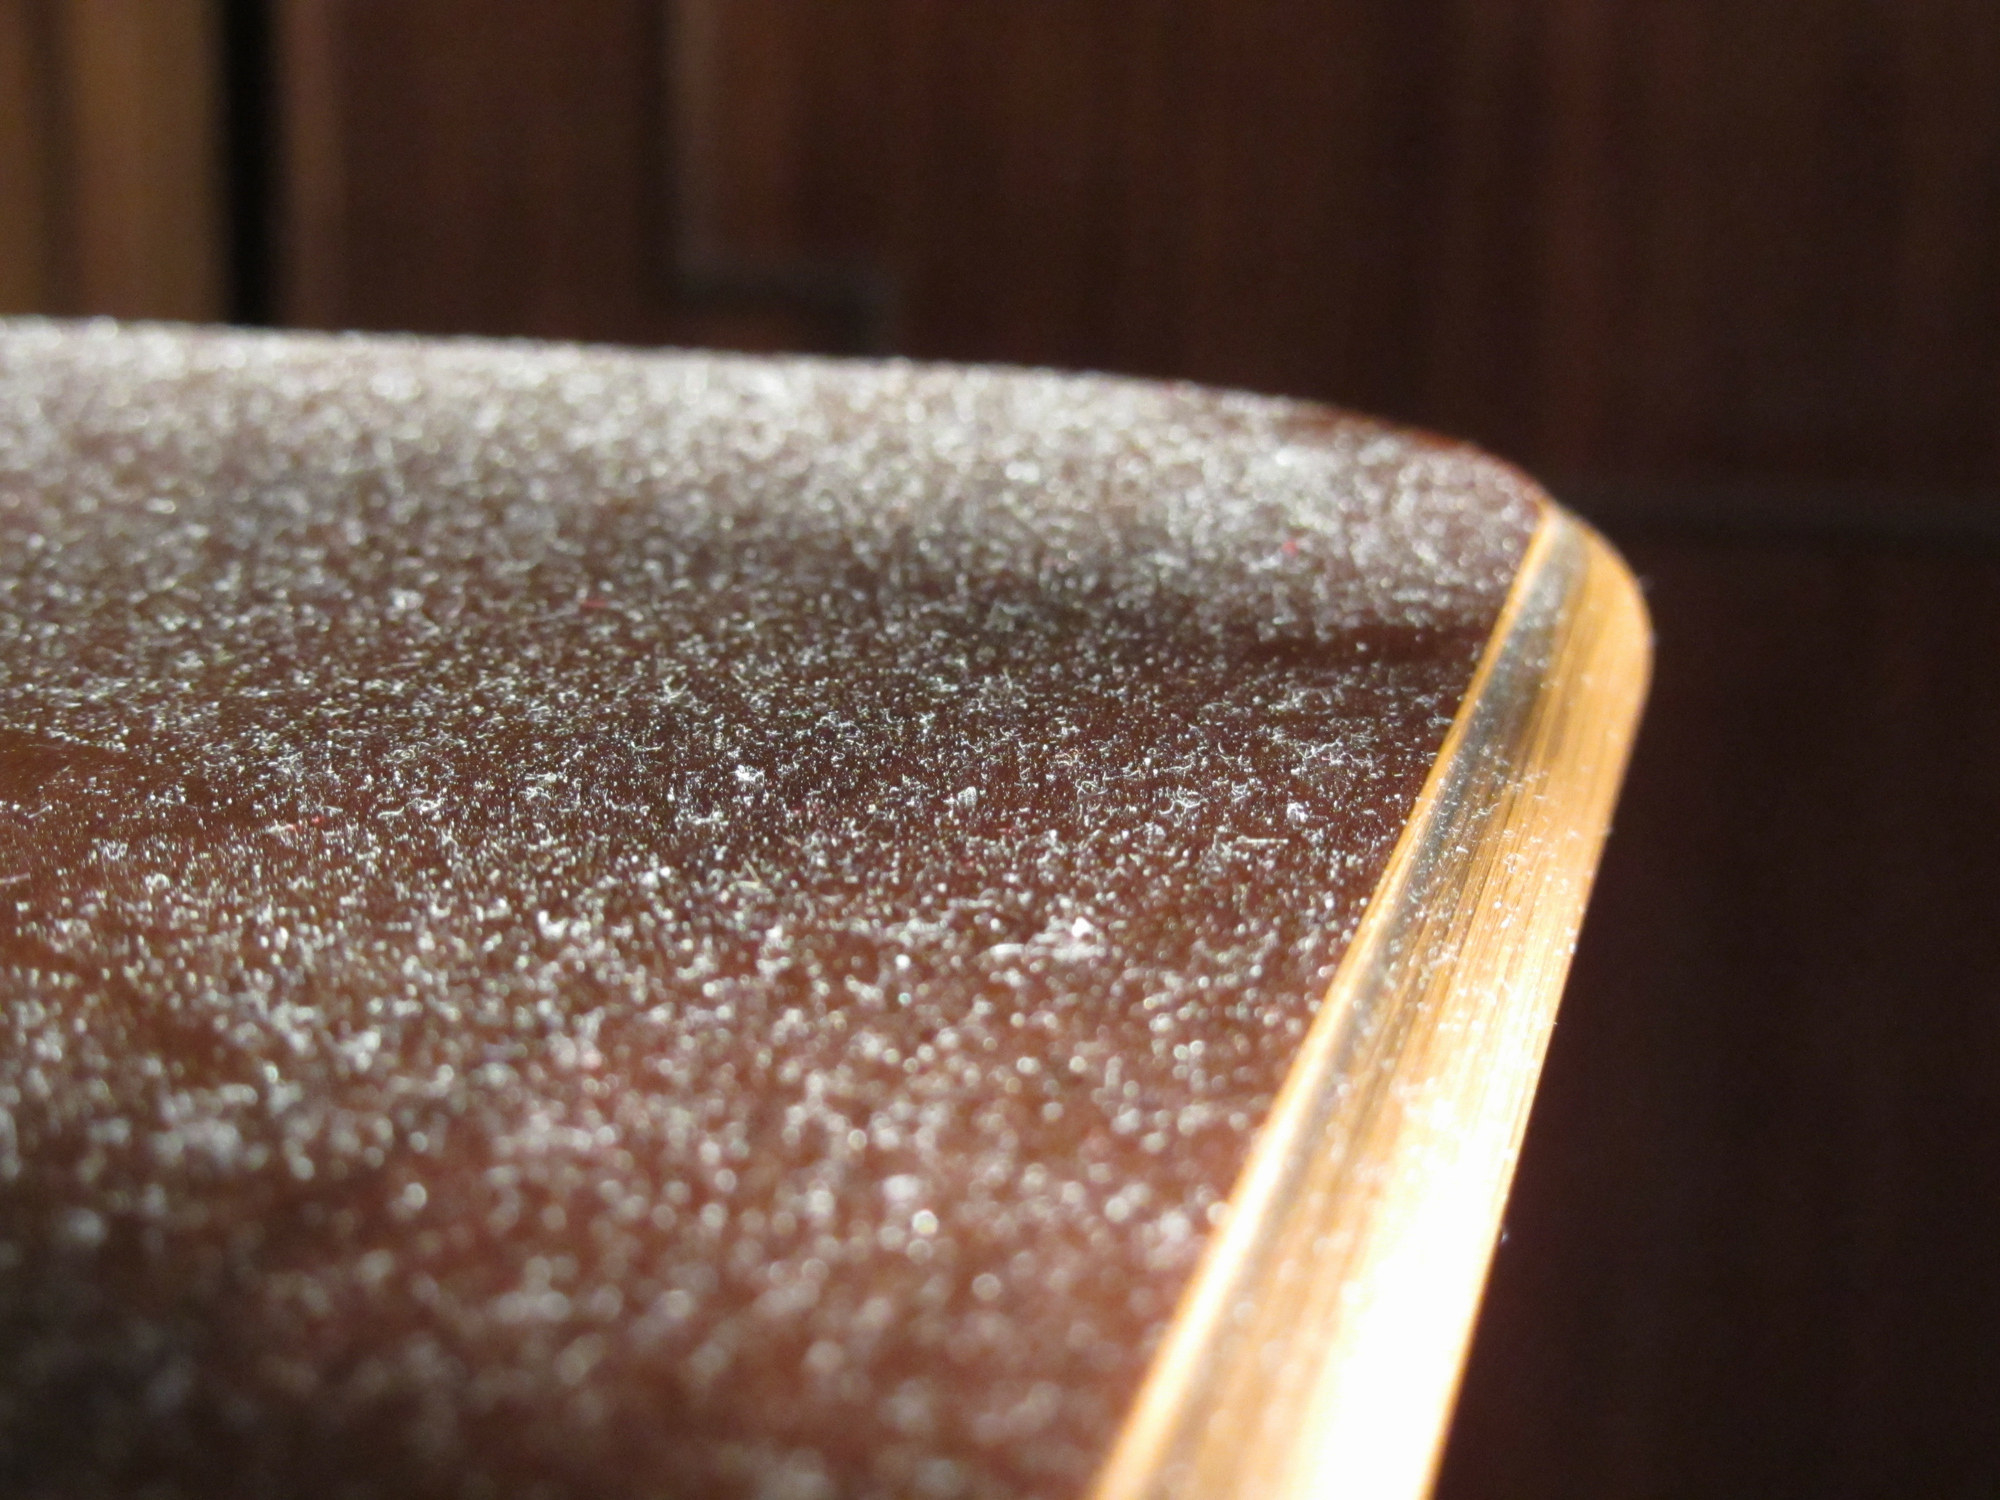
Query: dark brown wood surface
[[110, 158], [1714, 264], [941, 798], [450, 167], [1606, 239], [1751, 1245]]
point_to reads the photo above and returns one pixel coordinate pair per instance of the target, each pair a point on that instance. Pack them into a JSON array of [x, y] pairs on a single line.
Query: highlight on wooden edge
[[1319, 1345]]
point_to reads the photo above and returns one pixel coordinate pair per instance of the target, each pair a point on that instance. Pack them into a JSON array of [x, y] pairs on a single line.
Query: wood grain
[[145, 158], [1609, 240], [455, 168], [1319, 1345], [111, 193], [312, 259], [27, 161]]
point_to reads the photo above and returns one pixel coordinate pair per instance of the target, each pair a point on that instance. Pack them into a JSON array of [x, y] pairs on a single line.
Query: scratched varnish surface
[[578, 923]]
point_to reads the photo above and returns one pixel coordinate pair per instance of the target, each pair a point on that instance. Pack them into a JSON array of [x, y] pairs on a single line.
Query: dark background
[[1726, 273]]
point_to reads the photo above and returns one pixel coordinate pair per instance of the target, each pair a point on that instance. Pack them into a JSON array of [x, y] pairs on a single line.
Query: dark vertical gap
[[249, 117]]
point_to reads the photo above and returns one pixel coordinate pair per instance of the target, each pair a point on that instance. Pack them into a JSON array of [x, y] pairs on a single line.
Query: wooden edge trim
[[1318, 1348]]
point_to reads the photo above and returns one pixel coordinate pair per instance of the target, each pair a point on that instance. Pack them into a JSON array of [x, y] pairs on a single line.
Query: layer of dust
[[587, 924]]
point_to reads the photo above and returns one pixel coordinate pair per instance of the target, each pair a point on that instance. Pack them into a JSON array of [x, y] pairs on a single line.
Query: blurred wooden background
[[111, 159], [1697, 240], [1726, 272]]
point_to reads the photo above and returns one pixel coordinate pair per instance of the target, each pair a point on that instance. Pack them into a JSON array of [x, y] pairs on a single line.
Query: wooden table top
[[638, 923]]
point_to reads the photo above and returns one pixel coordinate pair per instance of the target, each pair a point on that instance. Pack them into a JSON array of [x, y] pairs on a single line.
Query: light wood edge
[[1318, 1348]]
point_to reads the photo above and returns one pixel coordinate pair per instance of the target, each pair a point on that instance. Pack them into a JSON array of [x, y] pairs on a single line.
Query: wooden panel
[[1607, 239], [1600, 238], [111, 198], [25, 161], [1750, 1247], [144, 158], [452, 167]]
